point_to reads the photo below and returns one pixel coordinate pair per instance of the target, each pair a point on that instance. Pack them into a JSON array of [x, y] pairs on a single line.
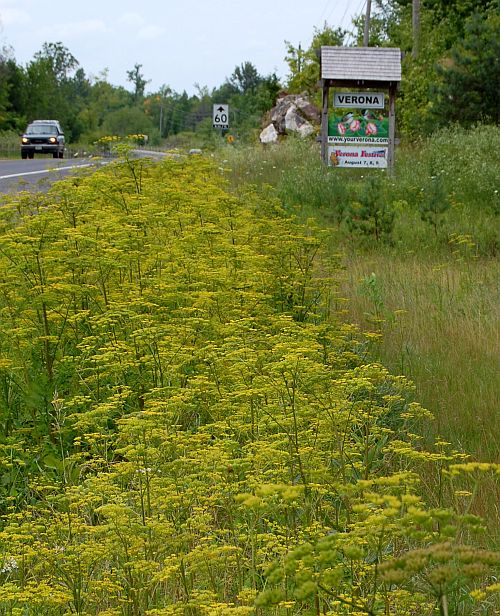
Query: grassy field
[[429, 284]]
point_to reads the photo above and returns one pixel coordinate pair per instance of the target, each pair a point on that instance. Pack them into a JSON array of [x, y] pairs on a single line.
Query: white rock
[[295, 122], [269, 135]]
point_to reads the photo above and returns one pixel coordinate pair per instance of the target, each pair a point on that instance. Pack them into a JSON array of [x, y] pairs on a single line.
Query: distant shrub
[[370, 213]]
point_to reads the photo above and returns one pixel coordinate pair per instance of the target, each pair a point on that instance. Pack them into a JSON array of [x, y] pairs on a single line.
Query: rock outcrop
[[269, 135], [293, 113]]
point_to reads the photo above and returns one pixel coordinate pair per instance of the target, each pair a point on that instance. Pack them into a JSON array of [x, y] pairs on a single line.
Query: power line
[[348, 6], [324, 11], [351, 34]]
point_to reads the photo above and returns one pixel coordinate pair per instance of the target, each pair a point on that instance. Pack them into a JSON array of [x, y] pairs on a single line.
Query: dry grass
[[441, 327]]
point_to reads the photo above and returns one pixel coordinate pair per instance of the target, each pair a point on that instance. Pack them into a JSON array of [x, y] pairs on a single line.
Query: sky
[[179, 43]]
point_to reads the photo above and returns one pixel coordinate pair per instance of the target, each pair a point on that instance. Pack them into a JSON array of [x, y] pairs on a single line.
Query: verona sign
[[359, 100], [359, 130]]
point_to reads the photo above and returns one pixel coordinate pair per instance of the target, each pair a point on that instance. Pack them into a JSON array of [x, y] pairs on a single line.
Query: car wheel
[[24, 155], [61, 154], [31, 155], [55, 155]]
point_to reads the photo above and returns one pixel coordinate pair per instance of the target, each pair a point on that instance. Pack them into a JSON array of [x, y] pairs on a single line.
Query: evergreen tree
[[470, 78]]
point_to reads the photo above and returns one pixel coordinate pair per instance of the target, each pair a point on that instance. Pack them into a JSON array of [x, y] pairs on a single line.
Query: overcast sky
[[178, 42]]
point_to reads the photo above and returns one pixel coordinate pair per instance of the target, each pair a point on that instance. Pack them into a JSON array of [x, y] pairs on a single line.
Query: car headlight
[[25, 140], [52, 140]]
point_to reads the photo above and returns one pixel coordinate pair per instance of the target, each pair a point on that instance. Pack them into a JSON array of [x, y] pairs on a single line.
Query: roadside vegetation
[[243, 383], [426, 283], [420, 263], [192, 425]]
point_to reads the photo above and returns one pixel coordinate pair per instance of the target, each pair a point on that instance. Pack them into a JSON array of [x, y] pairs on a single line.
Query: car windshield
[[41, 129]]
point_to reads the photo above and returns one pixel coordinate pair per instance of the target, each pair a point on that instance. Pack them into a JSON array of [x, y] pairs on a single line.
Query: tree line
[[89, 107], [454, 78]]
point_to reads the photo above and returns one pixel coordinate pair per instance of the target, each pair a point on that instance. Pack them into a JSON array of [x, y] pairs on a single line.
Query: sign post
[[220, 116], [360, 133]]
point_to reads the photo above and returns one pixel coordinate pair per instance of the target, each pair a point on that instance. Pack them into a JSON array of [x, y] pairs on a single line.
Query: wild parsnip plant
[[430, 293], [186, 428]]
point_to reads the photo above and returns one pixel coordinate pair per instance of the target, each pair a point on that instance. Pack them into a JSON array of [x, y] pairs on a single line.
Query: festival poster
[[357, 156], [368, 126]]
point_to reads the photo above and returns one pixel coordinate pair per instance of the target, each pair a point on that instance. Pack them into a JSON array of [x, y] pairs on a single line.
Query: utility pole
[[415, 21], [366, 34]]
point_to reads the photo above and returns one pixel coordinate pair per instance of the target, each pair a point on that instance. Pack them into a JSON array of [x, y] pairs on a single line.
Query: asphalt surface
[[37, 173]]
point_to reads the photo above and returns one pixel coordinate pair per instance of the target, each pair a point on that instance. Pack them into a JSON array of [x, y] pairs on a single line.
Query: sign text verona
[[357, 100]]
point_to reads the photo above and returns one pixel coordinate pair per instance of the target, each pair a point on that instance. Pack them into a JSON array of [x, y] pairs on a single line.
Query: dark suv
[[43, 137]]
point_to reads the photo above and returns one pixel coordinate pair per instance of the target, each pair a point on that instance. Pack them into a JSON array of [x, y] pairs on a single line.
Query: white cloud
[[76, 29], [149, 33], [11, 17]]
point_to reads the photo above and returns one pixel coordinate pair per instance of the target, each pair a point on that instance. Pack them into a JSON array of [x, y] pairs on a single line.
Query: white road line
[[20, 175]]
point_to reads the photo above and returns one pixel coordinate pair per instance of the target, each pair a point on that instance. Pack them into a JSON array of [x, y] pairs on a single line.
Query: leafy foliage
[[137, 79], [470, 81], [304, 64], [187, 430], [455, 72], [371, 214]]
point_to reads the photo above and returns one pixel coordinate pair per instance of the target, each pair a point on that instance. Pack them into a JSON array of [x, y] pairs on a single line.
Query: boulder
[[293, 113], [308, 110], [269, 135], [296, 123]]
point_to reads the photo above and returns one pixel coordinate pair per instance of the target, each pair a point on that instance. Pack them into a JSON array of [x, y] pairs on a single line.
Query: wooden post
[[416, 27], [392, 129], [324, 124], [366, 32]]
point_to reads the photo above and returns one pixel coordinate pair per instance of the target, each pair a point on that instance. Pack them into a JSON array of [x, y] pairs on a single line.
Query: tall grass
[[440, 326], [431, 291], [466, 162]]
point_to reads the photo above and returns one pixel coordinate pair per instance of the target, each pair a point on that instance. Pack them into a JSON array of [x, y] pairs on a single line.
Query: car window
[[41, 129]]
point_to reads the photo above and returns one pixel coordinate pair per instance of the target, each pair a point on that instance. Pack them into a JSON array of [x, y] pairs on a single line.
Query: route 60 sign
[[220, 116]]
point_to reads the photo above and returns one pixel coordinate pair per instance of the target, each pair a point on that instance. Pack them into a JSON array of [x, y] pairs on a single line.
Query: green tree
[[103, 98], [371, 214], [304, 65], [245, 78], [136, 77], [470, 78], [8, 73], [458, 46], [50, 86], [127, 121], [59, 58], [249, 96], [155, 107], [177, 113], [41, 90]]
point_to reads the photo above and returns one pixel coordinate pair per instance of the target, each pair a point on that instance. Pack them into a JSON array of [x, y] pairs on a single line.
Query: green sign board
[[367, 127]]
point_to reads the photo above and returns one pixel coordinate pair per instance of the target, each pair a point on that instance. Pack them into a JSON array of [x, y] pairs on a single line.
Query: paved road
[[37, 173]]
